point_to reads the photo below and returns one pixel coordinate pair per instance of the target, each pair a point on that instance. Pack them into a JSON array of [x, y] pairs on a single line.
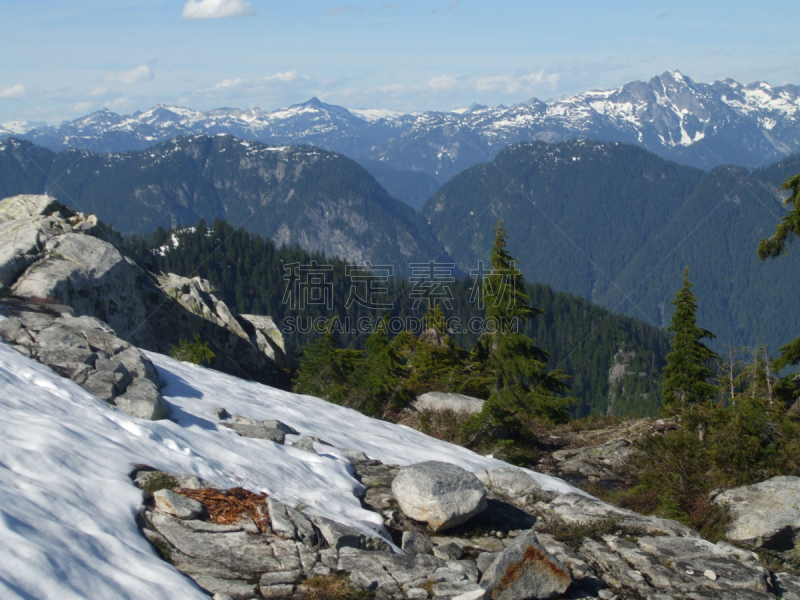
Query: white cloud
[[140, 73], [215, 9], [443, 82], [285, 76], [82, 107], [15, 91], [227, 84], [97, 92], [511, 84], [121, 103]]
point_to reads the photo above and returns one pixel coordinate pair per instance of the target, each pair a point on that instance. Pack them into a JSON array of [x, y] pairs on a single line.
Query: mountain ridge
[[700, 124], [320, 200], [617, 225]]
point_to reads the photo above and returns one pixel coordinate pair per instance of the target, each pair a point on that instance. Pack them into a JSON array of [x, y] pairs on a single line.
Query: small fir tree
[[785, 232], [196, 352], [522, 388], [378, 379], [686, 375], [326, 369], [437, 363]]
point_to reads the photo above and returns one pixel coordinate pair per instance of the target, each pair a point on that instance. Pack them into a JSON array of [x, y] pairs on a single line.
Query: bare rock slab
[[764, 515], [440, 494], [176, 505], [258, 432]]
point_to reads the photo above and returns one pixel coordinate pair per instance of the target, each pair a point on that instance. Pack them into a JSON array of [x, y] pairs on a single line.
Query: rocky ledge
[[87, 351], [519, 542], [51, 254]]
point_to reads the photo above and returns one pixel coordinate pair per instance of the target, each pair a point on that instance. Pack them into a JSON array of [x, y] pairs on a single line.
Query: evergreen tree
[[247, 272], [522, 387], [437, 363], [773, 247], [196, 352], [326, 369], [379, 376], [686, 374]]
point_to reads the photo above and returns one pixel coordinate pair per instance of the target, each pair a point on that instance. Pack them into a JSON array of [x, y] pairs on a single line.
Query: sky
[[61, 60]]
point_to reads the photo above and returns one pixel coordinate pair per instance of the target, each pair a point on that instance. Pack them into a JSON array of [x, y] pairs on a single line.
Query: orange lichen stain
[[531, 555]]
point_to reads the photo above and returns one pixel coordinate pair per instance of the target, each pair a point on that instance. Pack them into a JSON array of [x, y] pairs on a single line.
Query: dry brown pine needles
[[227, 507]]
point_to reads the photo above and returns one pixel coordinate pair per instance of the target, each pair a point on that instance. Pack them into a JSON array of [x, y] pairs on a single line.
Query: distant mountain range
[[607, 221], [698, 124], [319, 200]]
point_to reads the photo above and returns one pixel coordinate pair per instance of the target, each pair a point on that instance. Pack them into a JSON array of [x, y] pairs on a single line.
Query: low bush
[[335, 586], [196, 352], [714, 447], [158, 481]]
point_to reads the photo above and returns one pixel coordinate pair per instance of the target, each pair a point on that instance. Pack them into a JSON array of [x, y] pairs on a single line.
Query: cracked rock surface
[[49, 253], [520, 547], [87, 351]]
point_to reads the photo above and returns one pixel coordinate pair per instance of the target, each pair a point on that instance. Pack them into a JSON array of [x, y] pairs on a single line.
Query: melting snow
[[68, 508]]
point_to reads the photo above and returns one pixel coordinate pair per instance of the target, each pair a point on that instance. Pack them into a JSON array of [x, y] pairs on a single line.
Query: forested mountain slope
[[617, 224], [319, 200], [585, 340]]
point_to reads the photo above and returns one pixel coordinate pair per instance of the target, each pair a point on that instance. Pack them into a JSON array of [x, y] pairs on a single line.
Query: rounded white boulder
[[440, 494]]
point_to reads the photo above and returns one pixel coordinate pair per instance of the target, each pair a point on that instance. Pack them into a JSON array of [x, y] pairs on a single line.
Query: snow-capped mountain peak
[[721, 122]]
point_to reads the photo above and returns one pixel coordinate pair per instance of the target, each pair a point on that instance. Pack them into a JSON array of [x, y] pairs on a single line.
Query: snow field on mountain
[[68, 507]]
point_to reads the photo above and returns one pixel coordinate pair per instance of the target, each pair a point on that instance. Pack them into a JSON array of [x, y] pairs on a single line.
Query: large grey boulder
[[440, 494], [764, 515], [525, 570], [441, 401], [87, 351], [50, 253], [24, 228]]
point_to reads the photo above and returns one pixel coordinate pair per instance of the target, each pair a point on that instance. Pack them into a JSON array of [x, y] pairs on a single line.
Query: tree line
[[247, 273]]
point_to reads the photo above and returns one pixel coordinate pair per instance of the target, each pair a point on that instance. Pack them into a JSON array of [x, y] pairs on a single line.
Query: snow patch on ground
[[68, 508]]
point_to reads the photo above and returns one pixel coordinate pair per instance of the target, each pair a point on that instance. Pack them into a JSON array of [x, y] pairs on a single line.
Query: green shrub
[[196, 352], [715, 447], [335, 586], [158, 481]]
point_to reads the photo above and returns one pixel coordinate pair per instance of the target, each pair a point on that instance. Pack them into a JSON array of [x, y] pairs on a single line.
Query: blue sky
[[60, 60]]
